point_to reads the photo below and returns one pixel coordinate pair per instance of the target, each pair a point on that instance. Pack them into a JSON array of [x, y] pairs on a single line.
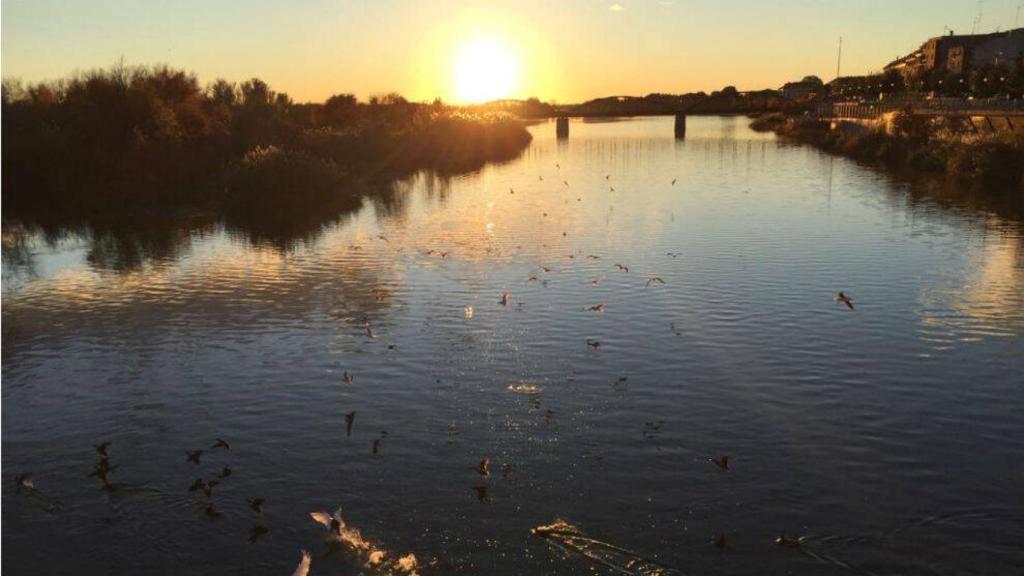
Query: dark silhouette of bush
[[133, 140]]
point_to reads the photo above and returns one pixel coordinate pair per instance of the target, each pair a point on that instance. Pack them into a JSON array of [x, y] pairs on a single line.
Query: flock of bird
[[336, 528]]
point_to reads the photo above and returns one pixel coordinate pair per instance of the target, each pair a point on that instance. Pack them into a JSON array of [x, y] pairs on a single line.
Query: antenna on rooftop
[[977, 19]]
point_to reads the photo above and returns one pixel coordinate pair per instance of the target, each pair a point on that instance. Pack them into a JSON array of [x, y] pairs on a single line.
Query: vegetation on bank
[[942, 145], [728, 100], [136, 140]]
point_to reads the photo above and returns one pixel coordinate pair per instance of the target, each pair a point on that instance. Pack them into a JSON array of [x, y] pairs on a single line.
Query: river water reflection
[[890, 436]]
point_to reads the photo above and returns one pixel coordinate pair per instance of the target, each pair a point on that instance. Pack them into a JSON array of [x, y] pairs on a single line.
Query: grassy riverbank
[[944, 146], [127, 141]]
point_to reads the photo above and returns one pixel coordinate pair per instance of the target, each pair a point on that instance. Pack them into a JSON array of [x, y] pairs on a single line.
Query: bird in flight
[[303, 568], [654, 279], [221, 443], [484, 467], [24, 481], [621, 267], [332, 522], [256, 504], [789, 541], [845, 300], [204, 487], [722, 462]]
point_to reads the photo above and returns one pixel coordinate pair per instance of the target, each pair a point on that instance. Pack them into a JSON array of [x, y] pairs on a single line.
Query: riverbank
[[122, 143], [941, 146]]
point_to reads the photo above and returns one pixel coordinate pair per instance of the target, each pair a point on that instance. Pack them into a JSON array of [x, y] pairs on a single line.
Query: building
[[958, 54], [807, 88]]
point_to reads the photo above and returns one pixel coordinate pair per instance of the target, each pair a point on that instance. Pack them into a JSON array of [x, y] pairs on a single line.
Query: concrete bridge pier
[[680, 126], [562, 127]]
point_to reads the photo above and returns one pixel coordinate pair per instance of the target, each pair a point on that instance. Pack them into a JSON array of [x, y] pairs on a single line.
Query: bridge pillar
[[680, 125], [562, 127]]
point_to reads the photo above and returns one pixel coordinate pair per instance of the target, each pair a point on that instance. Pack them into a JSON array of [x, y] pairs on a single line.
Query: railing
[[920, 106]]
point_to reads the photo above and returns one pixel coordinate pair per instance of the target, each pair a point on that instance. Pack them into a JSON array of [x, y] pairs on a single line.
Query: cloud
[[616, 8]]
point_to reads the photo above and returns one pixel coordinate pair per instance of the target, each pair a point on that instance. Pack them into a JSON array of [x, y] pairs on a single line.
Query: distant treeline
[[137, 139], [726, 101]]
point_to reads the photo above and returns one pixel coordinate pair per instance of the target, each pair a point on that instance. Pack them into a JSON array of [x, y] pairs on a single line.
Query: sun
[[485, 69]]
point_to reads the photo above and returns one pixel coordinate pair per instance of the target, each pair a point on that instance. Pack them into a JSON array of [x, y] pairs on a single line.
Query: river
[[890, 436]]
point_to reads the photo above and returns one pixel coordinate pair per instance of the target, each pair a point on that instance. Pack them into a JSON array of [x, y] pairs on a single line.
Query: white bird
[[303, 568], [332, 522]]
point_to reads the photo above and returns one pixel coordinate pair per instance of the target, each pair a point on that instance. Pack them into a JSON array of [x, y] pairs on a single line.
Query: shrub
[[994, 163], [768, 122]]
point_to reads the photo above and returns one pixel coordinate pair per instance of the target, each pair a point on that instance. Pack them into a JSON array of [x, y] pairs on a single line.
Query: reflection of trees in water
[[16, 248], [155, 281], [129, 246], [285, 229], [129, 249], [110, 247], [929, 196], [113, 244]]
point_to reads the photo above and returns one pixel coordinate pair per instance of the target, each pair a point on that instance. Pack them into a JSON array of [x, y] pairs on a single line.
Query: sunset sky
[[460, 51]]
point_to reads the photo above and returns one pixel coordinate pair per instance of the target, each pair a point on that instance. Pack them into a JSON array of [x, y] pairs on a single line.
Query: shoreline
[[912, 144]]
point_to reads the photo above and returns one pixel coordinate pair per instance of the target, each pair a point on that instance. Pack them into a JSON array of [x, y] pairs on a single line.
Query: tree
[[256, 92], [340, 109], [223, 92]]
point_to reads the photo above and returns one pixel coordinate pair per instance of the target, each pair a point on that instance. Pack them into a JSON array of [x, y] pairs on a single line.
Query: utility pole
[[839, 58]]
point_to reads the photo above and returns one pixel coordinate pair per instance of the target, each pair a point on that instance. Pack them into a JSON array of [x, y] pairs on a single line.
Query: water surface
[[890, 436]]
